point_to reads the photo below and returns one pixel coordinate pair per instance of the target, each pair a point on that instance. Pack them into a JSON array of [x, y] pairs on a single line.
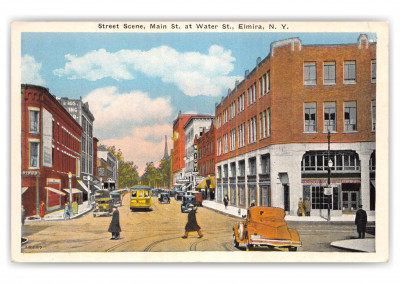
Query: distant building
[[272, 129], [79, 110], [108, 166], [51, 149], [192, 128]]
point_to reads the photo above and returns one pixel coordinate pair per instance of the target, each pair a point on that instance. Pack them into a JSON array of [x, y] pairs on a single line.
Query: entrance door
[[350, 200], [286, 197]]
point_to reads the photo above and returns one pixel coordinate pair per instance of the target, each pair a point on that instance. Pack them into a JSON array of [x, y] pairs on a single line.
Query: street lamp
[[70, 188], [330, 165]]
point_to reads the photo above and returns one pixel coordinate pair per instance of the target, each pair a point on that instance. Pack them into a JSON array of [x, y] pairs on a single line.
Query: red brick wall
[[202, 142], [288, 95], [179, 144]]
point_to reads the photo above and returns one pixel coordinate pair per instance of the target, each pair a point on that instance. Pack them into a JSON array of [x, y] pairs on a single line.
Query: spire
[[166, 148]]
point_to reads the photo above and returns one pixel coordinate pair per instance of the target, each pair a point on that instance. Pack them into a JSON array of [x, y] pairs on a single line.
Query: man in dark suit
[[115, 228], [361, 222]]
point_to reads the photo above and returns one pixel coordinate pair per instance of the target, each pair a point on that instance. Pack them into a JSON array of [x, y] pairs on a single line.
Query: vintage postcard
[[200, 142]]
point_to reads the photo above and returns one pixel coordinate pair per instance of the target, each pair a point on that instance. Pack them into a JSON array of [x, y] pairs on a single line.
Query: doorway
[[286, 197], [350, 197]]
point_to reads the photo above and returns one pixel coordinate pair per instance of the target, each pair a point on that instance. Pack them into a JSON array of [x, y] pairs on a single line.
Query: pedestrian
[[307, 206], [226, 200], [115, 228], [253, 203], [361, 222], [67, 211], [300, 211], [42, 211], [191, 225]]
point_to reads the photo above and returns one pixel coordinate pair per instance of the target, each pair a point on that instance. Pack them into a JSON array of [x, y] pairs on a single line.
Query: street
[[161, 230]]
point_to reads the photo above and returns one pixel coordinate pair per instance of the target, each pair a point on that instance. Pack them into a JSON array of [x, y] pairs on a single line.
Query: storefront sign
[[100, 172]]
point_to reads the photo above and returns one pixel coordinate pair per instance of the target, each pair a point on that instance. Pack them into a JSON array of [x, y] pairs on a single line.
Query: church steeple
[[166, 148]]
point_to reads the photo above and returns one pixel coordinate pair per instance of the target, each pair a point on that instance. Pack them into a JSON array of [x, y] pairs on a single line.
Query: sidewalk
[[59, 214], [360, 245]]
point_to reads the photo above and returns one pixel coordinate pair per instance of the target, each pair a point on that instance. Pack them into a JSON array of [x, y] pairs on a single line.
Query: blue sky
[[137, 83]]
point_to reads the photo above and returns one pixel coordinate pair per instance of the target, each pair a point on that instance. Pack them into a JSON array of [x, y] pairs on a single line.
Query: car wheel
[[235, 243], [292, 248], [94, 215]]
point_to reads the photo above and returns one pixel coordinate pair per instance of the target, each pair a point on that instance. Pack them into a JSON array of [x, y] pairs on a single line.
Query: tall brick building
[[271, 130], [51, 149]]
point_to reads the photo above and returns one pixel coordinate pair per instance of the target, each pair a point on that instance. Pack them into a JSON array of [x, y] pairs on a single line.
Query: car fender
[[294, 235], [239, 237]]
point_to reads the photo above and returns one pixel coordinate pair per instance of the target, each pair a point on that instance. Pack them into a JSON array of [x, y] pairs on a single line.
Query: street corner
[[360, 245]]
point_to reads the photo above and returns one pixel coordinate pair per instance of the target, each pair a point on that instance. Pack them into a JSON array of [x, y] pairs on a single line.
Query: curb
[[223, 213]]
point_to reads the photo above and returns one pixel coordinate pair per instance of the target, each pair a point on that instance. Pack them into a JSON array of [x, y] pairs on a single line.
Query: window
[[318, 199], [265, 164], [329, 73], [219, 147], [349, 72], [268, 122], [34, 121], [261, 87], [34, 154], [226, 143], [252, 129], [373, 71], [310, 117], [233, 139], [350, 116], [373, 115], [268, 82], [241, 135], [252, 166], [310, 74], [330, 117]]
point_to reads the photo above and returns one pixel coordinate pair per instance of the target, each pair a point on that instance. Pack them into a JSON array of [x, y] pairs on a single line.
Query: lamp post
[[70, 188], [330, 164]]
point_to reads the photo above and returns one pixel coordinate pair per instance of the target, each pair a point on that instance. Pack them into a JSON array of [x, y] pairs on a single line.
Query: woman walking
[[191, 225], [115, 228]]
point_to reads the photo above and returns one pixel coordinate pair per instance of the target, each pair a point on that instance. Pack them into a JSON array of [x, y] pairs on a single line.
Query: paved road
[[161, 230]]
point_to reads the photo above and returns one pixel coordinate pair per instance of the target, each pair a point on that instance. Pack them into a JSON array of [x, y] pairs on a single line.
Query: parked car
[[188, 199], [116, 197], [164, 198], [103, 207], [265, 226], [172, 193], [179, 195], [199, 197]]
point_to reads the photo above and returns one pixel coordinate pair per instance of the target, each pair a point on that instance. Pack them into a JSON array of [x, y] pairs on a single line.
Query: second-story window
[[310, 74], [310, 117], [268, 82], [350, 116], [330, 117], [34, 154], [34, 121], [349, 72], [373, 71], [373, 115], [329, 73]]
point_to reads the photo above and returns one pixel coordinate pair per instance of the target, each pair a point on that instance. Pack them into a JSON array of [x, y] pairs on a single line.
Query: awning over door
[[373, 182], [207, 183], [74, 190], [59, 192], [83, 185]]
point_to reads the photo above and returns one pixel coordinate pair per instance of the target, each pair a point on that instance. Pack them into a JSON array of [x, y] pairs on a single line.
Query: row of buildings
[[59, 151], [268, 141]]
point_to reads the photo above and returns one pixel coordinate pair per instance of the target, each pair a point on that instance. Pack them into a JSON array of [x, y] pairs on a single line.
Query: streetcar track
[[150, 246]]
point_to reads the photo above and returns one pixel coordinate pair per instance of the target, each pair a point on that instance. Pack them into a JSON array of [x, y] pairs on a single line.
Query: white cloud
[[143, 144], [194, 73], [30, 71], [116, 114]]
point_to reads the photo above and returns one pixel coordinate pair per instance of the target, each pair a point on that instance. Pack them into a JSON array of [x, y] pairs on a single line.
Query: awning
[[24, 189], [97, 187], [74, 190], [59, 192], [207, 183], [373, 182], [83, 185]]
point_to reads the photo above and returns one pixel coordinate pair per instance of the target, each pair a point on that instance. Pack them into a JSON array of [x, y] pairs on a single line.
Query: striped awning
[[324, 181], [59, 192], [23, 189]]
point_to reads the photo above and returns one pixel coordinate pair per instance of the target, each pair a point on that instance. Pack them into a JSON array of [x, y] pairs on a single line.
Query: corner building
[[272, 129]]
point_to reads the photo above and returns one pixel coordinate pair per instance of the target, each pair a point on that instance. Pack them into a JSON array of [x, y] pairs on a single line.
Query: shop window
[[252, 166], [265, 164], [373, 71]]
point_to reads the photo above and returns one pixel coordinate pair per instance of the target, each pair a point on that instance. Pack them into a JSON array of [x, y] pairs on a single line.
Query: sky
[[136, 84]]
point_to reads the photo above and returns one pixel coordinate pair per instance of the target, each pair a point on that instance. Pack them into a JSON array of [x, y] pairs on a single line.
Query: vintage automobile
[[265, 226], [179, 195], [140, 197], [116, 197], [188, 199], [104, 207], [164, 198], [199, 197], [172, 193]]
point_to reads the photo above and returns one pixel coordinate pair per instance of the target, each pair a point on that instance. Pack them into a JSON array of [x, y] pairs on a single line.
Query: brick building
[[178, 154], [51, 149], [206, 160], [271, 130]]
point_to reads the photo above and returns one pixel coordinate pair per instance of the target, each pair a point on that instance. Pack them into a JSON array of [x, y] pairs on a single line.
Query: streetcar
[[140, 197]]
